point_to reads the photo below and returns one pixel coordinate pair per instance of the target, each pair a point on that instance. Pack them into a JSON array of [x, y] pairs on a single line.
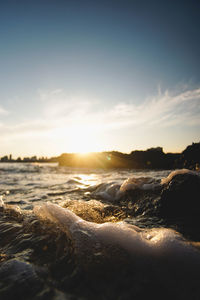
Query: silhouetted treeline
[[31, 159], [153, 158]]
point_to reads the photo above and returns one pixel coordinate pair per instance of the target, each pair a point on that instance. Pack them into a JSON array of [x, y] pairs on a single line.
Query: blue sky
[[98, 75]]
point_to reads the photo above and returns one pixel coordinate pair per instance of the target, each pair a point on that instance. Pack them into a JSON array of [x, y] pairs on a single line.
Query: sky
[[79, 76]]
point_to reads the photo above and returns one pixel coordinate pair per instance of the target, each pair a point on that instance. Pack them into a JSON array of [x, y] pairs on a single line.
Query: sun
[[81, 139], [84, 152], [84, 142], [84, 139]]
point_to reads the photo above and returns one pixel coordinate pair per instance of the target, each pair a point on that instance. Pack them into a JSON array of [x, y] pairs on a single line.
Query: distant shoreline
[[153, 158]]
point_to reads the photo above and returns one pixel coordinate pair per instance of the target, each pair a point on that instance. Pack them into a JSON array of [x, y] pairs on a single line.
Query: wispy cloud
[[167, 109], [65, 113], [59, 103], [3, 111]]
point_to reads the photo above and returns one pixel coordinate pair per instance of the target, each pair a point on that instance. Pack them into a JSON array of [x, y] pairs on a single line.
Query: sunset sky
[[79, 76]]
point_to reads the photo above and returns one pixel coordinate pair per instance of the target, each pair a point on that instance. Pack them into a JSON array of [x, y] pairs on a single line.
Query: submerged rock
[[94, 211]]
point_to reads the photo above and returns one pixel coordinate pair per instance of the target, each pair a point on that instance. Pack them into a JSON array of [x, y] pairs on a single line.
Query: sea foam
[[167, 179], [157, 242], [143, 183]]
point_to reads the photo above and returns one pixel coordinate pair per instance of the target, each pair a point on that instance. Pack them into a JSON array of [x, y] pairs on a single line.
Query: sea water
[[27, 184], [69, 233]]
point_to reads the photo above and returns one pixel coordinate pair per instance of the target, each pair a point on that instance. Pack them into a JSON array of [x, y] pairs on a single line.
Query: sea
[[77, 233]]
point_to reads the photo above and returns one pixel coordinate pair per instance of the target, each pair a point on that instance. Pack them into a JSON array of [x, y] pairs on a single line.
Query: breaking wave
[[101, 235]]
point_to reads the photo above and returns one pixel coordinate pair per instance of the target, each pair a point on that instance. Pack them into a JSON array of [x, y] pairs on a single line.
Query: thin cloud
[[166, 109], [25, 129], [59, 104], [61, 113], [3, 111]]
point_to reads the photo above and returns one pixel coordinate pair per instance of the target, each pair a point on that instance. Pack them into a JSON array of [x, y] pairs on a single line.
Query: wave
[[172, 174], [97, 248], [53, 252], [113, 191], [28, 168], [153, 242]]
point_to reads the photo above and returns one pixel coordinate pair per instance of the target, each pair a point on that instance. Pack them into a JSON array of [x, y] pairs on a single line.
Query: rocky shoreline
[[153, 158]]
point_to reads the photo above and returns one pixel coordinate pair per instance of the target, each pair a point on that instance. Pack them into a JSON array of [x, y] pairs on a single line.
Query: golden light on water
[[88, 179]]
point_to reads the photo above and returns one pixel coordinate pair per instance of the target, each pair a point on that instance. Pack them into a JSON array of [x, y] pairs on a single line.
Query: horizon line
[[36, 157]]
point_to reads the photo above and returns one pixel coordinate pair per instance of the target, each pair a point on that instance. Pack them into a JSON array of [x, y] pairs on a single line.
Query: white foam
[[144, 183], [153, 242], [1, 201], [176, 172], [108, 191]]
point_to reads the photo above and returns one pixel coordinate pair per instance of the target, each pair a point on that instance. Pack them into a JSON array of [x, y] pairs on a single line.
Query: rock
[[180, 197], [18, 280]]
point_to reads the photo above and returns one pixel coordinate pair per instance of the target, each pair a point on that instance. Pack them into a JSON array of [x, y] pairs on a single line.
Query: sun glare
[[77, 139], [83, 140], [83, 152]]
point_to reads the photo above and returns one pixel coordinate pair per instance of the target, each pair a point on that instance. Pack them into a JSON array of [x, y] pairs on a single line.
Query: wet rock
[[179, 204], [18, 280], [53, 294], [180, 197], [139, 202]]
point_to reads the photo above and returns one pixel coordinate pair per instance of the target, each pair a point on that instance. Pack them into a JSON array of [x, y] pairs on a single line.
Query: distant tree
[[4, 158]]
